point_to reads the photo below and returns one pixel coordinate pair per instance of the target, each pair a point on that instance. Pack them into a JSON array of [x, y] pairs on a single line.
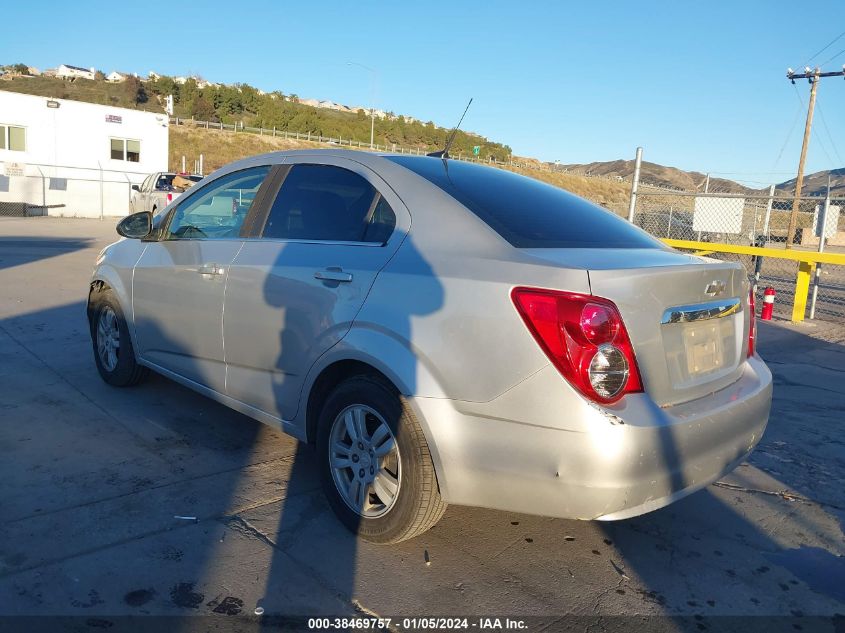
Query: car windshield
[[526, 212]]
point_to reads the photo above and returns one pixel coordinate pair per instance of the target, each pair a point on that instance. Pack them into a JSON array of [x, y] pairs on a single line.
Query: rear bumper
[[559, 456]]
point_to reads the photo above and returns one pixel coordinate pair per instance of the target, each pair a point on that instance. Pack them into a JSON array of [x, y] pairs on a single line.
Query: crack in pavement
[[783, 494], [243, 526], [137, 537], [275, 460], [813, 365]]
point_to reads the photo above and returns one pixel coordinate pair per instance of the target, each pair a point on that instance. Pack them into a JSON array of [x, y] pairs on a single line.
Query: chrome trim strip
[[701, 311]]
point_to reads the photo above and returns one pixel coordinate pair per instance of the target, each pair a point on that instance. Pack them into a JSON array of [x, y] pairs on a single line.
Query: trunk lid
[[687, 316]]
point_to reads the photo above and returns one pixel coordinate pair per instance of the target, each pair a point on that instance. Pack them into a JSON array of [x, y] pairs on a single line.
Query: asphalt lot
[[91, 478]]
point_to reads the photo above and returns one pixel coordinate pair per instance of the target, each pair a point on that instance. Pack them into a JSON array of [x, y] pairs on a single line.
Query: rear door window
[[328, 203], [526, 212]]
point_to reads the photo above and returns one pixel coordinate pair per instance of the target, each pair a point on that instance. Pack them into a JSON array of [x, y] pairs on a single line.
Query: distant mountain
[[816, 184], [651, 173], [655, 174]]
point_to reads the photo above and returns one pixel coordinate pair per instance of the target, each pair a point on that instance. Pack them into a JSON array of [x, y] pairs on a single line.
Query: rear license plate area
[[704, 348]]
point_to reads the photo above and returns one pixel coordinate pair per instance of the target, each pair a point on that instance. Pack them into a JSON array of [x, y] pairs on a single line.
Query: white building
[[79, 159], [72, 72], [115, 77]]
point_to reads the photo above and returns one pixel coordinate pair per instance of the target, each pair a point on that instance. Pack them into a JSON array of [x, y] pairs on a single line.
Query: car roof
[[370, 159]]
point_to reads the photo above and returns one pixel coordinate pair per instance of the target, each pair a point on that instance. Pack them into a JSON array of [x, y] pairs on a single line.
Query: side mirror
[[136, 226], [136, 188]]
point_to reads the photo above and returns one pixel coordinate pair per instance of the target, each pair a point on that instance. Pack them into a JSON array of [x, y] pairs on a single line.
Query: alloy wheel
[[108, 338], [364, 461]]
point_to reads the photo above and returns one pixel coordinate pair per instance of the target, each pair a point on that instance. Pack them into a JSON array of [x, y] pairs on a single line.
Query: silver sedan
[[442, 332]]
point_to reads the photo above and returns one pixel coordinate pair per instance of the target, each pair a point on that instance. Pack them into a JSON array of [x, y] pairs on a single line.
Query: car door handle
[[211, 269], [333, 275]]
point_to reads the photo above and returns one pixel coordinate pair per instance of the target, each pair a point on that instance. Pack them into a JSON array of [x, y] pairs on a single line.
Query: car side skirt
[[256, 414]]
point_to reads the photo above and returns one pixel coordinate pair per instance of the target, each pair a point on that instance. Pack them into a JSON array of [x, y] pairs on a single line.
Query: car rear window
[[526, 212]]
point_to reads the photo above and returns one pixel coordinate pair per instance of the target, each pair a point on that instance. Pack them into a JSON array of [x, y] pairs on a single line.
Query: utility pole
[[635, 183], [813, 77], [373, 78]]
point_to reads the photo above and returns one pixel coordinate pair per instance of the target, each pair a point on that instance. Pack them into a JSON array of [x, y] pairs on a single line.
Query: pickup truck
[[157, 191]]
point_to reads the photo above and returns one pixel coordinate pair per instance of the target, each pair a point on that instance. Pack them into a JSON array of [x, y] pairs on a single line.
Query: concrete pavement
[[91, 478]]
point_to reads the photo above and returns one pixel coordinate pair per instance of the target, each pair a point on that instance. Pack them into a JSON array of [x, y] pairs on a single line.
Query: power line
[[834, 57], [827, 46], [829, 136], [814, 77], [818, 138], [791, 130], [815, 133], [748, 173]]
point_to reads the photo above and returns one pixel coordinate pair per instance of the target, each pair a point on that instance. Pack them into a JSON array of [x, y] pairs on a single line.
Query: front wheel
[[376, 466], [113, 351]]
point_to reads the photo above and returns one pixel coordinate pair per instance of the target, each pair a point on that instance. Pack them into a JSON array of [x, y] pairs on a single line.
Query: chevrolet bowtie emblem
[[715, 288]]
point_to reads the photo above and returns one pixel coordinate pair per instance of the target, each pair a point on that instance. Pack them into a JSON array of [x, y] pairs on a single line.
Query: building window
[[13, 137], [126, 149]]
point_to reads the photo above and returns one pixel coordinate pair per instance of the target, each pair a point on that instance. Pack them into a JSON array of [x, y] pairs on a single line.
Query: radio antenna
[[444, 153]]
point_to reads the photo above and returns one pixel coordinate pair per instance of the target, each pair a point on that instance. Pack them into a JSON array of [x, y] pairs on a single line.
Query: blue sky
[[699, 85]]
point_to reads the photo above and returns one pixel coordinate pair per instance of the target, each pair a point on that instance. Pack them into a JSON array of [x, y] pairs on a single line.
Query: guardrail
[[314, 137], [806, 260]]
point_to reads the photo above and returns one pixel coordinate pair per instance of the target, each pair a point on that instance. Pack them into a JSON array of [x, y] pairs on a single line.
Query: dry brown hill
[[222, 147]]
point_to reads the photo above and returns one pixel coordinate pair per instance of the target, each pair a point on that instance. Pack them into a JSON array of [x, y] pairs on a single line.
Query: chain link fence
[[418, 150], [64, 190], [759, 219]]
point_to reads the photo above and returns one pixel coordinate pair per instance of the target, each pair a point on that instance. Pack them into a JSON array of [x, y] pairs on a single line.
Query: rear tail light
[[752, 326], [169, 198], [585, 339]]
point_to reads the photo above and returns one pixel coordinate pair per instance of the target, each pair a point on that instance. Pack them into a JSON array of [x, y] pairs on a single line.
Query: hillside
[[655, 174], [219, 148], [245, 105], [815, 184], [250, 107]]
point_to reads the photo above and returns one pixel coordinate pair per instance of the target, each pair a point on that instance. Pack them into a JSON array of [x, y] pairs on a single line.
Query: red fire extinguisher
[[768, 304]]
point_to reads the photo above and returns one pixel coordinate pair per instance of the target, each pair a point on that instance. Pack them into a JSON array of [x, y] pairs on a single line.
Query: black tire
[[418, 505], [126, 372]]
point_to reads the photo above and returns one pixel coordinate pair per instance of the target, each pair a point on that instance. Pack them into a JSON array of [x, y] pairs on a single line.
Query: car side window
[[218, 210], [381, 223], [328, 203], [146, 183]]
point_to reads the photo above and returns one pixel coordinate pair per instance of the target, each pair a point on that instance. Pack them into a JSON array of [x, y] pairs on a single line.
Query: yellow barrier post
[[807, 261], [802, 288]]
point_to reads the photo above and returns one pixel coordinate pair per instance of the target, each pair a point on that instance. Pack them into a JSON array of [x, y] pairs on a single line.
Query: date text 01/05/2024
[[417, 623]]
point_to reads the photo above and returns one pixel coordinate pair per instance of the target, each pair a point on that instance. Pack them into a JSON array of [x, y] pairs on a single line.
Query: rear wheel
[[113, 351], [376, 467]]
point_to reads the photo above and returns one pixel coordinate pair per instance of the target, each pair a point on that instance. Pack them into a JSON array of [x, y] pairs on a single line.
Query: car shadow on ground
[[94, 478], [17, 250], [777, 516]]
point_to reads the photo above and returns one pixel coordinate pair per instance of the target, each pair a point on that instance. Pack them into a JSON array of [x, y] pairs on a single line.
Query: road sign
[[476, 150]]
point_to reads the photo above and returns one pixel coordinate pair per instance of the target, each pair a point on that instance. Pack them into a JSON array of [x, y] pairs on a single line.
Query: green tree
[[189, 91], [133, 91], [202, 109]]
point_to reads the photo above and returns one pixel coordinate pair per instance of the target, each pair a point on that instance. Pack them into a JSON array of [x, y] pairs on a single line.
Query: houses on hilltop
[[72, 73]]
